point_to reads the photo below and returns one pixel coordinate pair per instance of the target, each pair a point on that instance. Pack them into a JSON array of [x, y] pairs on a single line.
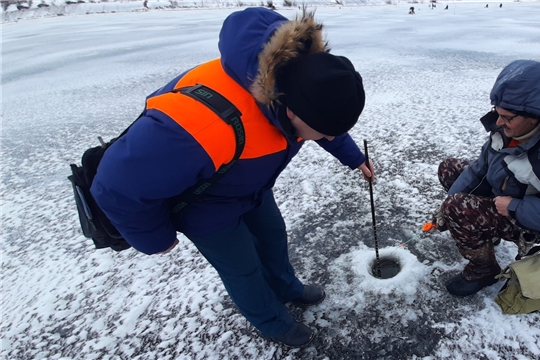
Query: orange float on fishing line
[[428, 226]]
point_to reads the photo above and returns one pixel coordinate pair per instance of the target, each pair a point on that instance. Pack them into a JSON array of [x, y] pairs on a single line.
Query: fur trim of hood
[[300, 36]]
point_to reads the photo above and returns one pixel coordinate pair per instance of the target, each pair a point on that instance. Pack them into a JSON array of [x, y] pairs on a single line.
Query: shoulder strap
[[225, 110], [232, 116]]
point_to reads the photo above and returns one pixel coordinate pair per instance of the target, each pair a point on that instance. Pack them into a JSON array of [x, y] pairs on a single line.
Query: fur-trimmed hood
[[300, 36], [256, 43]]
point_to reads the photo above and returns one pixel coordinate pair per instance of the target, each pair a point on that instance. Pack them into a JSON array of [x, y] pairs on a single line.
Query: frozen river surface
[[66, 80]]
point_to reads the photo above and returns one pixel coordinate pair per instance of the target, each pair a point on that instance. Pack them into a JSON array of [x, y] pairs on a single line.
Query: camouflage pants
[[473, 222]]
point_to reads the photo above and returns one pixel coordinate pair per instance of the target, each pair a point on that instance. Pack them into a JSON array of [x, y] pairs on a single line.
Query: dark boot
[[312, 295], [478, 273], [299, 336], [460, 286]]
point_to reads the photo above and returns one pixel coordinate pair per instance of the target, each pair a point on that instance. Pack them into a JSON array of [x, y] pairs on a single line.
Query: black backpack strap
[[225, 110], [232, 116]]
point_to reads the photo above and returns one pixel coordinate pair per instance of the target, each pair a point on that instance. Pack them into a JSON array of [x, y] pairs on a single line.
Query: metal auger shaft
[[374, 225]]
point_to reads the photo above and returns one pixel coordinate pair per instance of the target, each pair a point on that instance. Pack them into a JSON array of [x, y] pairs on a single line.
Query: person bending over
[[289, 88]]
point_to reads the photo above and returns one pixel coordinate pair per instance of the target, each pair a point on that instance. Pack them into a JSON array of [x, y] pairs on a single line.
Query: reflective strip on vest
[[207, 128]]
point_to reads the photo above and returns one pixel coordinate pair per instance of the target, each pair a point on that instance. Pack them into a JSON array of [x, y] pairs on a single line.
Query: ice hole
[[390, 267]]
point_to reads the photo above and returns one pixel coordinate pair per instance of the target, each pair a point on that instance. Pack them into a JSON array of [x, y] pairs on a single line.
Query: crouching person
[[497, 196], [288, 87]]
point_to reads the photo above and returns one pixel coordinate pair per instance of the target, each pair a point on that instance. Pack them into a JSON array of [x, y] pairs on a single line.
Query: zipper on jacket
[[505, 182]]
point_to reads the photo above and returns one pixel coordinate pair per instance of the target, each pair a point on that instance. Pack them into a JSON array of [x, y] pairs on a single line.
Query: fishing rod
[[426, 228], [370, 180]]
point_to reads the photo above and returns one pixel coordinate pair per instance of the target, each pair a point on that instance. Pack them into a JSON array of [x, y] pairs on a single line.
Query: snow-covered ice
[[66, 80]]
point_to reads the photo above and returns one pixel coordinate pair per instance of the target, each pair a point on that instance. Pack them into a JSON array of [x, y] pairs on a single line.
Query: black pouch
[[94, 223]]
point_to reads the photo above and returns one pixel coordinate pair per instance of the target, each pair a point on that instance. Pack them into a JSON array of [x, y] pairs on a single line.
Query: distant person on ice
[[290, 89], [497, 196], [411, 11]]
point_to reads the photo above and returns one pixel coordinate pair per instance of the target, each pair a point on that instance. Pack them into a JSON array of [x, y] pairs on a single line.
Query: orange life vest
[[210, 131]]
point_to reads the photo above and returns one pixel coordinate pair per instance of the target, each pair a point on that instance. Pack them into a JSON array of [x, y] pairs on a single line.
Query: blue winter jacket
[[158, 159], [510, 171]]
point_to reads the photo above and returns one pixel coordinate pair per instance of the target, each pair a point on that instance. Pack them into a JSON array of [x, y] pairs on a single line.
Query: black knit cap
[[324, 91]]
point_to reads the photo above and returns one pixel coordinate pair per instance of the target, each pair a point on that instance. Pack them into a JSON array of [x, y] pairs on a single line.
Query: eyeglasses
[[507, 119]]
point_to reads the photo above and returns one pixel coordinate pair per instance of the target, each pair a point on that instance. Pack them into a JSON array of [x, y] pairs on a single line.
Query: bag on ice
[[521, 292]]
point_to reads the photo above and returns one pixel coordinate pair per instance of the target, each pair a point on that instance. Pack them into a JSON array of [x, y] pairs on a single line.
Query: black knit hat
[[324, 91]]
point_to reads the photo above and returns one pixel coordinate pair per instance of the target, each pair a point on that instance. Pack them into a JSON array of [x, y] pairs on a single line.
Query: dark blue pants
[[252, 260]]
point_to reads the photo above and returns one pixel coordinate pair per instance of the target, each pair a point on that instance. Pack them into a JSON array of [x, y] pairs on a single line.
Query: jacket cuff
[[512, 207], [358, 161], [152, 242]]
